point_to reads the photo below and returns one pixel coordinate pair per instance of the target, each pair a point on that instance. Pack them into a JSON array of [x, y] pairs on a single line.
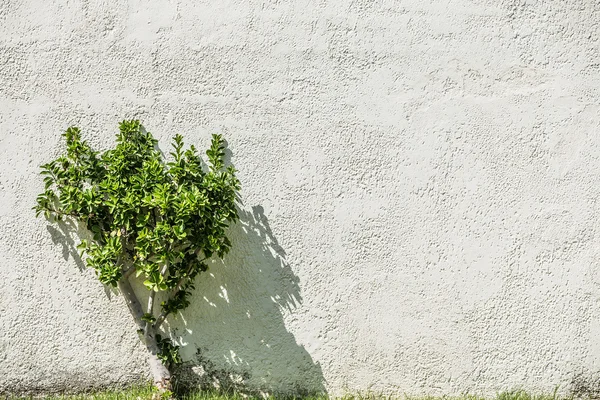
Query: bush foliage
[[160, 220]]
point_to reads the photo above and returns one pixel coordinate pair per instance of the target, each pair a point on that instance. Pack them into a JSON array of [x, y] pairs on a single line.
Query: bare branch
[[128, 272], [62, 213], [135, 308], [150, 307], [160, 320], [160, 372]]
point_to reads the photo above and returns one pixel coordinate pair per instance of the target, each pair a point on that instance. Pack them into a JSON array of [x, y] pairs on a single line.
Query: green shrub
[[158, 221]]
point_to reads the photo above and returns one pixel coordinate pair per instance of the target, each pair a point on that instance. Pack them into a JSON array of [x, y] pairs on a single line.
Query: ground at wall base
[[148, 392]]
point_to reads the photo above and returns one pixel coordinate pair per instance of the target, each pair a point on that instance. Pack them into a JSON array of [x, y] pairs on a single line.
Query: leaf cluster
[[168, 352], [161, 219]]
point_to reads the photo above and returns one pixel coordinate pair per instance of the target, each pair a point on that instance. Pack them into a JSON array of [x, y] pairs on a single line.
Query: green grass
[[134, 393], [144, 393]]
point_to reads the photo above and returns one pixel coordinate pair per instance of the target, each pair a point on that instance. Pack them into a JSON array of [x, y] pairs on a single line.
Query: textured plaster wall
[[420, 184]]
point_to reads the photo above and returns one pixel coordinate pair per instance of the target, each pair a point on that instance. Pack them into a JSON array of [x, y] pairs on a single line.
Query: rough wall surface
[[420, 183]]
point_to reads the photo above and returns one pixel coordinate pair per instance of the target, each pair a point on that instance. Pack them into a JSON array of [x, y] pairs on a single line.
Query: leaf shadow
[[234, 334], [64, 237]]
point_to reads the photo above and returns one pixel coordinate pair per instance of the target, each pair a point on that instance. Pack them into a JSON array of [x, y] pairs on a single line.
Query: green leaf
[[150, 285], [147, 317]]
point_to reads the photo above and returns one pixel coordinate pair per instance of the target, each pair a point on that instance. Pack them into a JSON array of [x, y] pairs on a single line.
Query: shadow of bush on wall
[[233, 334], [585, 384], [63, 236]]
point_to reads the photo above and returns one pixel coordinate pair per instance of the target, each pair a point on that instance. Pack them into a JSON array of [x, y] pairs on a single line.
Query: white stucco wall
[[420, 184]]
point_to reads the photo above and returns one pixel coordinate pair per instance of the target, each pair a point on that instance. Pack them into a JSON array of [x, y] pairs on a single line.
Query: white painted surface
[[420, 184]]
